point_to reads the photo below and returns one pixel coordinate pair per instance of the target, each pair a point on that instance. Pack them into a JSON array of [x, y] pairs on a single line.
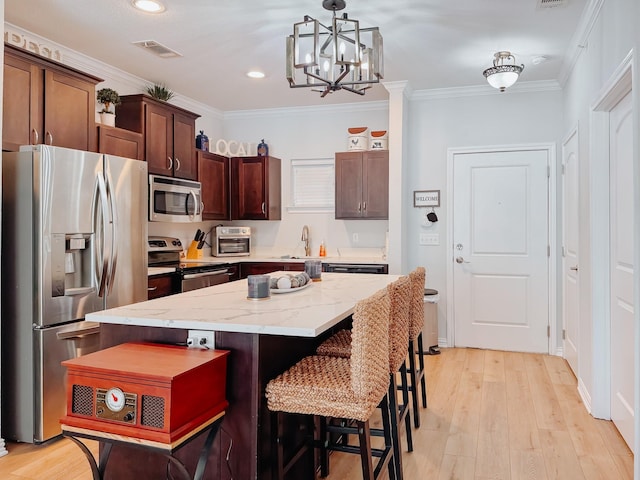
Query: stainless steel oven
[[165, 251], [231, 241], [174, 200]]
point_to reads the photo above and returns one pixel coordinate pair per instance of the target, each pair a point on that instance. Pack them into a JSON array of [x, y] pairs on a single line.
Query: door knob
[[461, 260], [575, 269]]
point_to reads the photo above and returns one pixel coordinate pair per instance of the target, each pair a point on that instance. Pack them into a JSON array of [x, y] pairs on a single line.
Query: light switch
[[429, 239]]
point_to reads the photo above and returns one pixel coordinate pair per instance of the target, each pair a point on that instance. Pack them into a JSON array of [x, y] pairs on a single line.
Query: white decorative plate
[[289, 290]]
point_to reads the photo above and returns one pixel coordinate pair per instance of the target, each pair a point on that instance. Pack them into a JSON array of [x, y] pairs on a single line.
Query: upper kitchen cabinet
[[362, 185], [46, 102], [169, 134], [213, 174], [255, 188], [120, 142]]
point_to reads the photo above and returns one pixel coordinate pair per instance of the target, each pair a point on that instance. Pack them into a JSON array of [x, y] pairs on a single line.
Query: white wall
[[437, 124], [309, 133]]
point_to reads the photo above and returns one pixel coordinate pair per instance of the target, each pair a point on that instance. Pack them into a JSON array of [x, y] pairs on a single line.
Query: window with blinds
[[312, 185]]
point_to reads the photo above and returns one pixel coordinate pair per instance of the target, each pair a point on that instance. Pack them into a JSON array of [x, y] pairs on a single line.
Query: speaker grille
[[82, 400], [152, 411]]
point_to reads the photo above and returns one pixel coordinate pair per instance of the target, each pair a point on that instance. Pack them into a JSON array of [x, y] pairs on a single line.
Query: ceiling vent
[[157, 49], [551, 3]]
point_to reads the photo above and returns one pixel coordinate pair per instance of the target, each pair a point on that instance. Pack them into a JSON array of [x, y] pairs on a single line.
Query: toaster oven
[[231, 241]]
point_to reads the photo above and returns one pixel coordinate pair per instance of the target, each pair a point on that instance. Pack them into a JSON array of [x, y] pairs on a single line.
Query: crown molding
[[481, 90], [374, 106], [100, 69], [579, 40]]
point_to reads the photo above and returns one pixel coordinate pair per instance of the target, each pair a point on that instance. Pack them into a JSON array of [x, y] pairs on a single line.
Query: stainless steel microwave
[[174, 200]]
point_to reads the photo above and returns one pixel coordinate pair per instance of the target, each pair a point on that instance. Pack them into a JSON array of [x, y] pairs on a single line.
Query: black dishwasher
[[356, 268]]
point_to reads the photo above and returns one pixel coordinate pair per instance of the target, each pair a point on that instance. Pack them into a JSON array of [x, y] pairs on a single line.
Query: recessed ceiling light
[[149, 6], [255, 74]]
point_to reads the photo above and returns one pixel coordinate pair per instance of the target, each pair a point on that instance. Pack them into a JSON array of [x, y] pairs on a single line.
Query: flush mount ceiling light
[[341, 56], [149, 6], [255, 74], [502, 75]]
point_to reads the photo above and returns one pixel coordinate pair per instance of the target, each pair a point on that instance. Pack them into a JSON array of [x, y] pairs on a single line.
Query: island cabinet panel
[[46, 102], [213, 174], [362, 185], [255, 188], [168, 132], [120, 142], [254, 359]]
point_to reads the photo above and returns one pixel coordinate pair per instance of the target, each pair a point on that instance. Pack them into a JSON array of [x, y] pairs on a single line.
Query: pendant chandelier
[[341, 56], [502, 75]]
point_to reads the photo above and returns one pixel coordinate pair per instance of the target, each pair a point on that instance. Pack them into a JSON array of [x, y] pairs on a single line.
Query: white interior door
[[621, 262], [570, 243], [500, 250]]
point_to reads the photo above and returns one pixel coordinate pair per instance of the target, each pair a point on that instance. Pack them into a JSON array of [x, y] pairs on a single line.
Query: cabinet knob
[[177, 163]]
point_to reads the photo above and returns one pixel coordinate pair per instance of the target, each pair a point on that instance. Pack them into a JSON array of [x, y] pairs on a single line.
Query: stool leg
[[388, 439], [405, 406], [414, 383], [364, 436], [423, 380], [395, 435], [324, 450]]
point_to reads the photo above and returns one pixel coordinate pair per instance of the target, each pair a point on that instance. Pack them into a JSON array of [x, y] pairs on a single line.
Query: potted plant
[[107, 97], [159, 92]]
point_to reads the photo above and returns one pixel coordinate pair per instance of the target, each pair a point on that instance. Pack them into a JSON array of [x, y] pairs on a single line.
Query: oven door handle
[[191, 276]]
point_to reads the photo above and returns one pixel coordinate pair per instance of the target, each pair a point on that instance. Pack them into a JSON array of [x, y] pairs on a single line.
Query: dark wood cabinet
[[162, 285], [262, 268], [168, 131], [213, 174], [255, 188], [362, 185], [46, 102], [120, 142]]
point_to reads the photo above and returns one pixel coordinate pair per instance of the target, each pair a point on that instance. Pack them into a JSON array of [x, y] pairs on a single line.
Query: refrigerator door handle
[[114, 233], [79, 291], [78, 333], [101, 252]]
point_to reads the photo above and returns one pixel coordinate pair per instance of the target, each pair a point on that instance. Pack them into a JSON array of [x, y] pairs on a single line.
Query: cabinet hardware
[[364, 206], [170, 163], [359, 206], [177, 164], [151, 289], [263, 208], [35, 134], [48, 134]]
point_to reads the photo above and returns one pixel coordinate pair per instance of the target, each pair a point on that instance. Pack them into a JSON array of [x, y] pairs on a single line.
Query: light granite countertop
[[304, 313]]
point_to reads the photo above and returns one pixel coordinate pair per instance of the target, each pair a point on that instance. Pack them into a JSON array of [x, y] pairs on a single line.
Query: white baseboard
[[584, 395]]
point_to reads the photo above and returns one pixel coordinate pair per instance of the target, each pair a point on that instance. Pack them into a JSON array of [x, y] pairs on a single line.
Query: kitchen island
[[265, 337]]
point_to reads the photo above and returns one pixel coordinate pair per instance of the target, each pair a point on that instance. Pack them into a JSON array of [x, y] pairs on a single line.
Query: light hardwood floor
[[491, 415]]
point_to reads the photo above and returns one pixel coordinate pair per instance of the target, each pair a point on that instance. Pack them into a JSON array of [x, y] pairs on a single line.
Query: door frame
[[616, 87], [550, 149]]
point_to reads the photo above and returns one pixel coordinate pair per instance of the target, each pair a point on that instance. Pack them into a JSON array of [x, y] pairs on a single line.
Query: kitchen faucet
[[305, 239]]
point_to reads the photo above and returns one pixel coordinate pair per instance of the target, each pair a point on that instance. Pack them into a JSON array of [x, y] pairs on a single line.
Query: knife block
[[193, 253]]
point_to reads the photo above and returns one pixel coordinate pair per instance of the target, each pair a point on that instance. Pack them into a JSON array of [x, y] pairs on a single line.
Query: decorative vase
[[202, 141], [107, 118], [263, 149]]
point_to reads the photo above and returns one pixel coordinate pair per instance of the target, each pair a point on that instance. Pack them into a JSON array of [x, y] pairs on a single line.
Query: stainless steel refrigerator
[[74, 241]]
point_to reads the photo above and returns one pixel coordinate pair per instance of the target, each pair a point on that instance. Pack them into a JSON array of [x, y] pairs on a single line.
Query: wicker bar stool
[[416, 373], [341, 388], [339, 345]]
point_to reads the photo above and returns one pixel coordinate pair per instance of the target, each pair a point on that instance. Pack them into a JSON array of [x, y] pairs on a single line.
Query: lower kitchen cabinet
[[261, 268], [162, 285]]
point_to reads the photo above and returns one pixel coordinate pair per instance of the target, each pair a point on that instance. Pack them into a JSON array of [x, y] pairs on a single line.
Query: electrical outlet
[[201, 339], [355, 238]]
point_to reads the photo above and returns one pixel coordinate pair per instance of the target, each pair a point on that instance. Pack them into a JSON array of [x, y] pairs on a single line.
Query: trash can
[[430, 329]]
